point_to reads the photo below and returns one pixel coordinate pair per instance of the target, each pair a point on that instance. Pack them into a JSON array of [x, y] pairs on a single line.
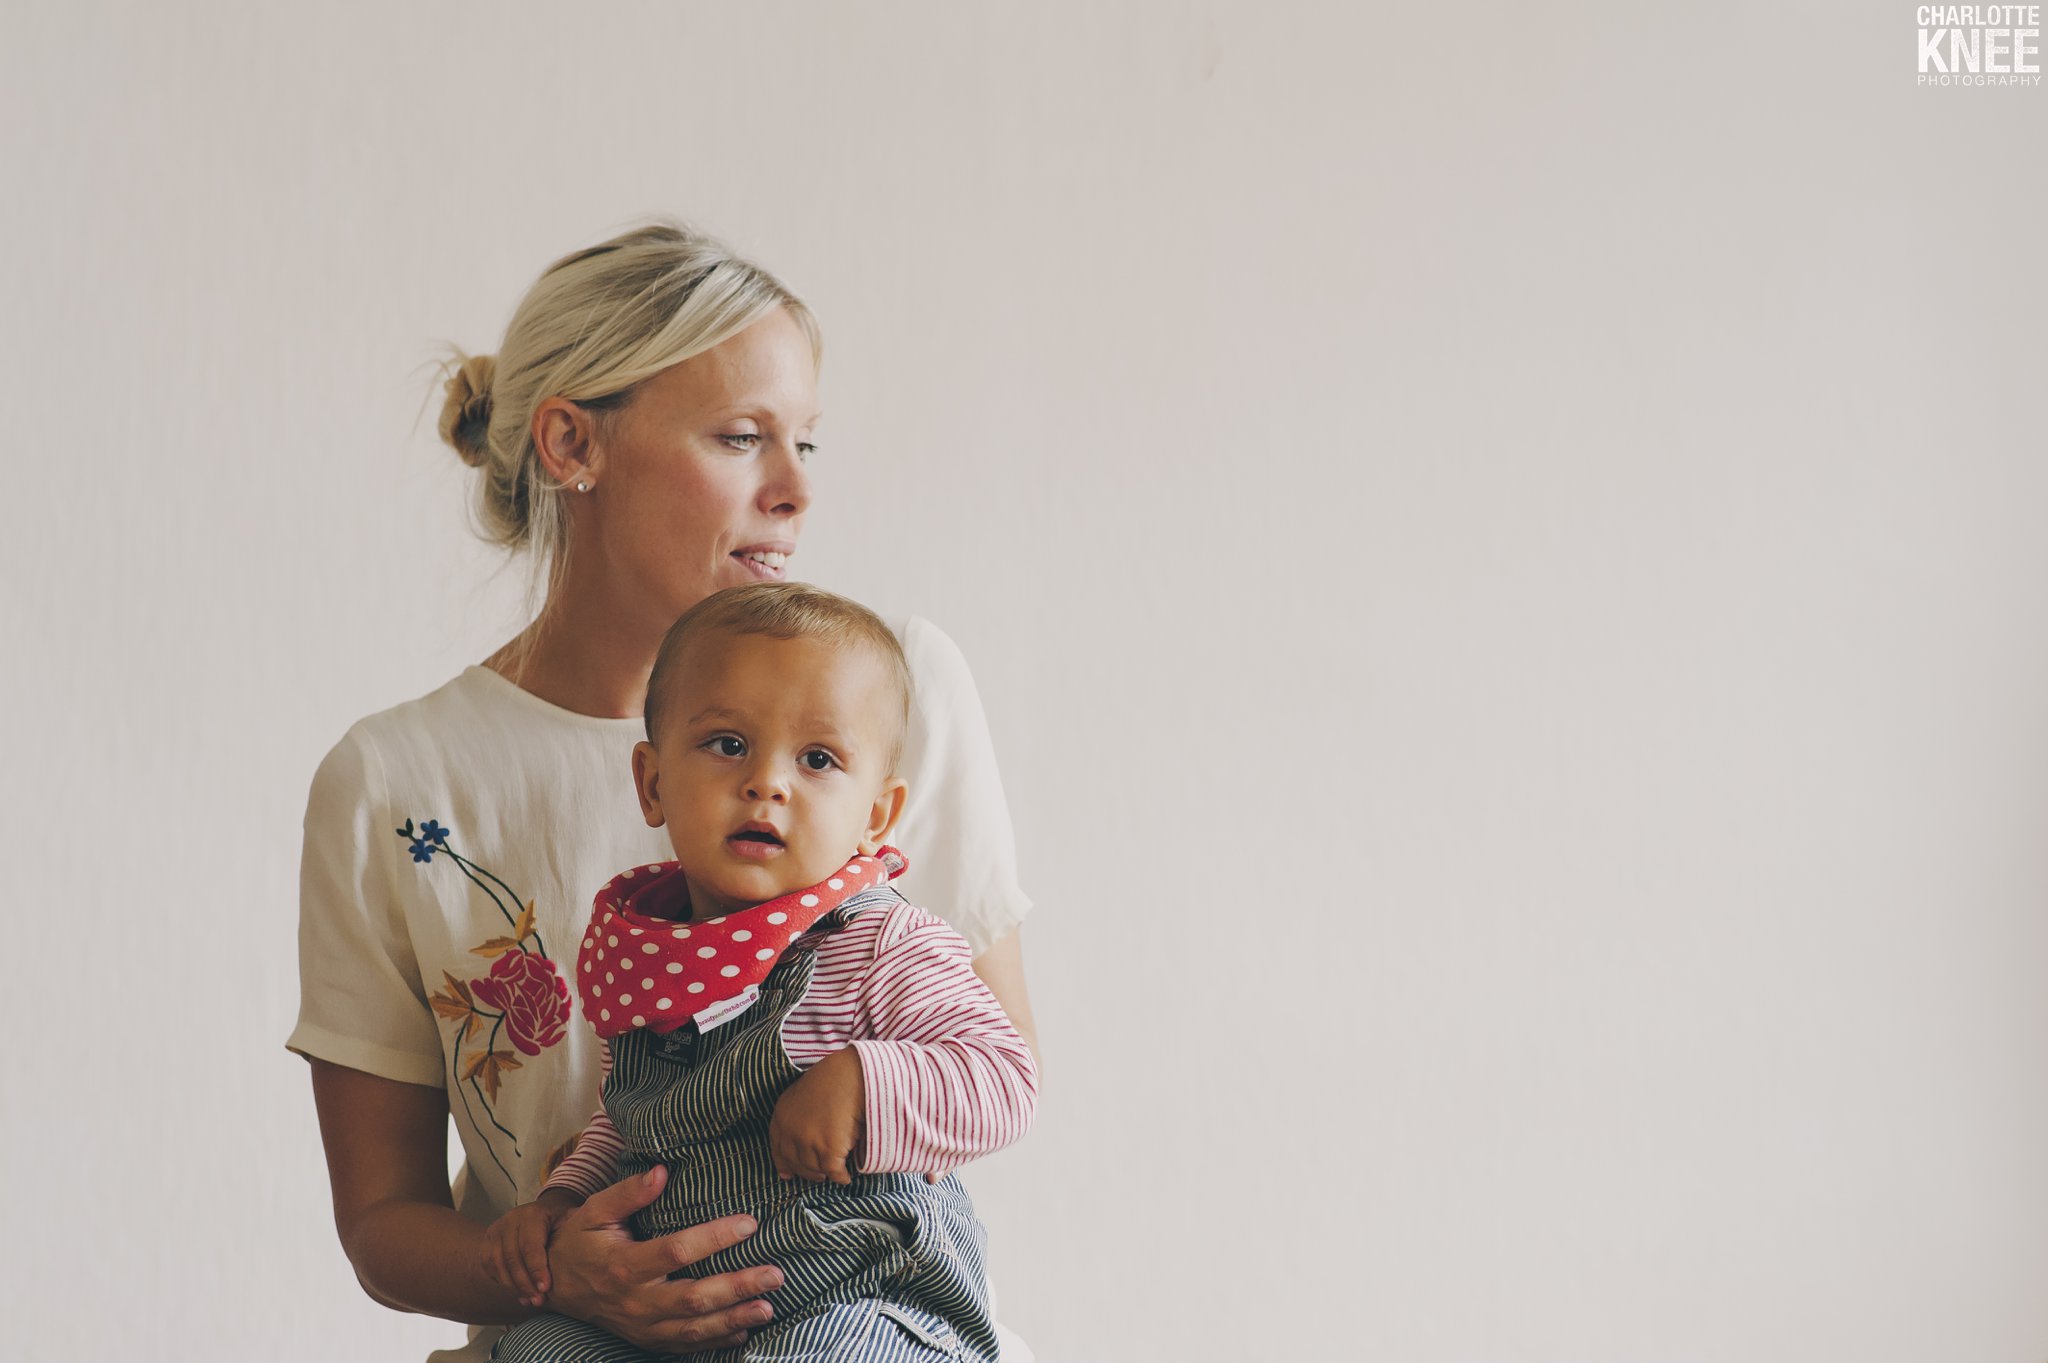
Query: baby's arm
[[936, 1077], [593, 1165], [947, 1078], [515, 1248]]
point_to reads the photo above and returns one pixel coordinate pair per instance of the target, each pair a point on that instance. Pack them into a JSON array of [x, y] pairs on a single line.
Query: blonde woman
[[642, 432]]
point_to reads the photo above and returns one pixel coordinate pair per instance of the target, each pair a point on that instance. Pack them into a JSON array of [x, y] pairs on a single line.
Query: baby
[[784, 1032]]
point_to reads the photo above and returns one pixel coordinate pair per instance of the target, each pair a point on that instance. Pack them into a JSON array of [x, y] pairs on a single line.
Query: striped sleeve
[[947, 1077], [594, 1164]]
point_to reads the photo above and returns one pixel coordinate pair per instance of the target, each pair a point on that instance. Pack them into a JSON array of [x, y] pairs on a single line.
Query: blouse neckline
[[519, 695]]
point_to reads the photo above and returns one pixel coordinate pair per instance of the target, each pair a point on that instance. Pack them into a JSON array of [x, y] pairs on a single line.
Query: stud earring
[[583, 487]]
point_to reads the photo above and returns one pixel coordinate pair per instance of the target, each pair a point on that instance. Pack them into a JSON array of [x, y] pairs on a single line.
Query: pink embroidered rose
[[531, 994]]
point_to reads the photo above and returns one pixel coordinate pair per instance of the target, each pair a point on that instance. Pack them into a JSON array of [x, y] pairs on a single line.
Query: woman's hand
[[387, 1157], [604, 1276]]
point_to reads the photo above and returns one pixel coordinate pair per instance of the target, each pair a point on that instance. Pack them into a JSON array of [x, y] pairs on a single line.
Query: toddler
[[784, 1032]]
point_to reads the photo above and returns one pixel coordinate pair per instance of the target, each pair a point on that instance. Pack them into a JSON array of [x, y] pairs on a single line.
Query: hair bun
[[466, 415]]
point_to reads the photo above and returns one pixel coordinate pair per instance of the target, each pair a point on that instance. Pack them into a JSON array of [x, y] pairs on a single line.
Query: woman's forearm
[[415, 1256], [387, 1153]]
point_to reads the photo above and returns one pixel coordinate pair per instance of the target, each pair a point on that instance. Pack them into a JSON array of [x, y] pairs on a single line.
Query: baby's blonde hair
[[782, 610], [594, 325]]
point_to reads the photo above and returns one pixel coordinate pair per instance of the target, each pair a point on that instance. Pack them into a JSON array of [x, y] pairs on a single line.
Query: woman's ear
[[647, 781], [565, 440], [888, 808]]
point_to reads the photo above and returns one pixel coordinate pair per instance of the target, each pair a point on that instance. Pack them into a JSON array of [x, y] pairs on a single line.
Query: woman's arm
[[386, 1145], [956, 829], [387, 1163], [1001, 968]]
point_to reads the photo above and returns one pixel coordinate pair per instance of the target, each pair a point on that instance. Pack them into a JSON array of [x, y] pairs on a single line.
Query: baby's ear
[[647, 781], [888, 808]]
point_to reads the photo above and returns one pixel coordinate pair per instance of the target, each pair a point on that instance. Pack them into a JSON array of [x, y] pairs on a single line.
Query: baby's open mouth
[[756, 841]]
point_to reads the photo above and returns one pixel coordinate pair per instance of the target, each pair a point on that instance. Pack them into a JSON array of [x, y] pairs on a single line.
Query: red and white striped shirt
[[948, 1078]]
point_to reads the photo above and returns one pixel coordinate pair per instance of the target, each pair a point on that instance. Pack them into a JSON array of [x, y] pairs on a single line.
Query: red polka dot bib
[[645, 964]]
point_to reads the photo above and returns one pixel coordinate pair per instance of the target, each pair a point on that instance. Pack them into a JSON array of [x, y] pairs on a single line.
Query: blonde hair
[[782, 610], [592, 327]]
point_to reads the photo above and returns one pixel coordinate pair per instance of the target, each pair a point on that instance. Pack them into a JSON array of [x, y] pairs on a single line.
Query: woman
[[643, 432]]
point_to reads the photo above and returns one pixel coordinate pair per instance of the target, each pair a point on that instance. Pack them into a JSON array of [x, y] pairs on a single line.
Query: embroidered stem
[[493, 1117], [472, 870], [471, 1114]]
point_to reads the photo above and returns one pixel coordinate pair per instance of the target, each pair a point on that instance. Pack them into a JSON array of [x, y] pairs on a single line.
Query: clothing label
[[725, 1010]]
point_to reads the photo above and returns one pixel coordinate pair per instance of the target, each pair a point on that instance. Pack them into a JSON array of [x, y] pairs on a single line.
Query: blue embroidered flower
[[431, 831], [422, 850]]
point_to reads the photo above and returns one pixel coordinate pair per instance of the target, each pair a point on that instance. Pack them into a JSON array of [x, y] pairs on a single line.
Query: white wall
[[1501, 546]]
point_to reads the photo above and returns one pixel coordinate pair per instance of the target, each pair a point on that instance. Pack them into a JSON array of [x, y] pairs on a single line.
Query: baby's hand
[[817, 1121], [515, 1250]]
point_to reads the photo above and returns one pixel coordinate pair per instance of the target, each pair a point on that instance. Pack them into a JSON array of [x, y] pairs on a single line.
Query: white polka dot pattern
[[713, 959]]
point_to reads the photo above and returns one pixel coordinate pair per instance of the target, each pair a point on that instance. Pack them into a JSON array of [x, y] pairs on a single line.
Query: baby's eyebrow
[[713, 712]]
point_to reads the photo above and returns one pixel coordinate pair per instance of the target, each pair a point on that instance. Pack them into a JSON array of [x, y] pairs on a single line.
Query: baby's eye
[[817, 759], [725, 745], [741, 440]]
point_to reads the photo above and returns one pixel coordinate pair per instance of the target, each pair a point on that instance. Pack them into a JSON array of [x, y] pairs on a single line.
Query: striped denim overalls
[[885, 1269]]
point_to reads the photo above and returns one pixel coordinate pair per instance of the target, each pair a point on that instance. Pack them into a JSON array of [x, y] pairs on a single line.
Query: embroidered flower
[[531, 994], [422, 850], [430, 831]]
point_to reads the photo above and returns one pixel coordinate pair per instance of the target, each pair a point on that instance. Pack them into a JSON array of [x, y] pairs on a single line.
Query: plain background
[[1501, 546]]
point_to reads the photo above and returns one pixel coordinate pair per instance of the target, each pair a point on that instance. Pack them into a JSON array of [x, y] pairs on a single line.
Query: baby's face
[[771, 767]]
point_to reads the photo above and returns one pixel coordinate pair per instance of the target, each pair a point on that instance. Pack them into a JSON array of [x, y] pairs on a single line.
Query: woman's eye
[[725, 745], [817, 760], [743, 440], [805, 450]]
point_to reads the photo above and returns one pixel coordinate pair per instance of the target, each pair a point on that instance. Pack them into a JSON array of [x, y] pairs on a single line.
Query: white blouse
[[454, 844]]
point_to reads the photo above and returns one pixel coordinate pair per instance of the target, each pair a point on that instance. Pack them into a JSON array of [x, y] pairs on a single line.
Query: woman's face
[[700, 480]]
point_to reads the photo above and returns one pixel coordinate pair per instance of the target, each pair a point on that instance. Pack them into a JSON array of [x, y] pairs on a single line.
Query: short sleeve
[[956, 825], [360, 1000]]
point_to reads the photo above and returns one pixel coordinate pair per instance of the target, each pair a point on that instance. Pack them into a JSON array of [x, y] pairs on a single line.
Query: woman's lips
[[766, 564]]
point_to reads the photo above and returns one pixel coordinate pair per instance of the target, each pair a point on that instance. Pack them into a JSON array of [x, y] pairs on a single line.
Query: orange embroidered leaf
[[497, 946], [488, 1068], [523, 929], [454, 1009], [458, 988]]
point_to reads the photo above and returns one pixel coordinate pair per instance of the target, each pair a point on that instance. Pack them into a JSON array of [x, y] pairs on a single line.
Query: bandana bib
[[645, 964]]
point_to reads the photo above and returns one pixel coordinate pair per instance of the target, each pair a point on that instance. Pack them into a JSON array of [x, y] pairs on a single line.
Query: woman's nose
[[787, 490]]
